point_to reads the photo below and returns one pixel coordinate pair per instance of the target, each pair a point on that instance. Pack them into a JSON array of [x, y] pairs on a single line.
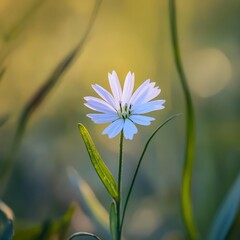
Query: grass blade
[[89, 202], [139, 164], [2, 72], [38, 98], [3, 119], [190, 130], [227, 213], [101, 169], [6, 222]]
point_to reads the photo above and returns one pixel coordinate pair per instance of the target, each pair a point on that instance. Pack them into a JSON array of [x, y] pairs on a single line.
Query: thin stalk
[[120, 186], [138, 166], [190, 130]]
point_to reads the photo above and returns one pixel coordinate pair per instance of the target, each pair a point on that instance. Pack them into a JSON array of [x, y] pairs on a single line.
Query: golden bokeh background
[[128, 35]]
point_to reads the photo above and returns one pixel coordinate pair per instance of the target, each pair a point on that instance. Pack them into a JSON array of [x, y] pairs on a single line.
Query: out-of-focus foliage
[[48, 229], [127, 35], [6, 222]]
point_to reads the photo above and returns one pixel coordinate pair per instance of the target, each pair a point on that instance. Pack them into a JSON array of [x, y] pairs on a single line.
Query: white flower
[[123, 108]]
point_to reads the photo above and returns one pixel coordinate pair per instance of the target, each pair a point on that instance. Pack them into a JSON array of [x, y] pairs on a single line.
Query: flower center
[[125, 111]]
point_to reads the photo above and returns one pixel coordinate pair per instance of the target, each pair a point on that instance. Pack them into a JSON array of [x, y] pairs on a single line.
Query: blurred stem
[[37, 99], [16, 29], [190, 131], [119, 230]]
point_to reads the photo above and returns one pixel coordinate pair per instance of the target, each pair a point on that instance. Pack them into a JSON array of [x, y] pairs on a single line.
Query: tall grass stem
[[190, 130]]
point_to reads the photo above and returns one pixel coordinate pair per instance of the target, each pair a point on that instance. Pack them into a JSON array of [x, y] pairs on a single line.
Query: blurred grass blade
[[16, 29], [6, 222], [139, 164], [48, 229], [89, 202], [187, 211], [37, 99], [2, 72], [101, 169], [113, 221], [227, 213], [3, 119], [76, 236]]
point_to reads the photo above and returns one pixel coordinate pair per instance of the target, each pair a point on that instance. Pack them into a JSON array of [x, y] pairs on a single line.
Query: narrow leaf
[[113, 221], [83, 234], [89, 202], [6, 222], [101, 169], [227, 213], [139, 164]]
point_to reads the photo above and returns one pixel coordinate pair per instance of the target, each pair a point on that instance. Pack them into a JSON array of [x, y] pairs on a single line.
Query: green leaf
[[83, 234], [6, 222], [227, 213], [113, 221], [101, 169], [89, 202], [47, 229]]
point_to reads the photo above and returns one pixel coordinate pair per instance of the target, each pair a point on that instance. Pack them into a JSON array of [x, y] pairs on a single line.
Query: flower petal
[[142, 120], [139, 92], [103, 118], [148, 107], [114, 128], [128, 88], [129, 129], [115, 86], [103, 93], [99, 105], [151, 94]]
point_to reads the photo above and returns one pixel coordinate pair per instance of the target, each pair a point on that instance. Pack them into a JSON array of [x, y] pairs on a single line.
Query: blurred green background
[[128, 35]]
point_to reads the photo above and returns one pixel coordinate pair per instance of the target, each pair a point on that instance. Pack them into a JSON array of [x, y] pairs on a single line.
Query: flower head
[[123, 108]]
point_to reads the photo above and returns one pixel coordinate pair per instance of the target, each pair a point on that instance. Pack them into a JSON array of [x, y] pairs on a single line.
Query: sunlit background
[[128, 35]]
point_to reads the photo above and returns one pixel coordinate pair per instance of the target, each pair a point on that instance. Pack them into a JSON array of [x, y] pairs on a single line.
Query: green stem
[[120, 187], [190, 130]]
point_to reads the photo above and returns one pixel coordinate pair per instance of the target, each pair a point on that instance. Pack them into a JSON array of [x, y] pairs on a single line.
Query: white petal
[[142, 120], [103, 93], [129, 129], [151, 94], [102, 118], [139, 92], [99, 105], [148, 107], [115, 86], [114, 128], [146, 94], [128, 88]]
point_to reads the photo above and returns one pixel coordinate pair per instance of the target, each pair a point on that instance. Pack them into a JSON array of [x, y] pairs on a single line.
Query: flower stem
[[190, 130], [120, 187]]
